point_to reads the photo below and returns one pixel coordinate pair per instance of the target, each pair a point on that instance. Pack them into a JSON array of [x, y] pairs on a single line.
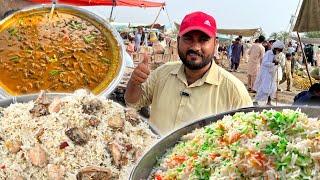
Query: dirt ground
[[284, 97]]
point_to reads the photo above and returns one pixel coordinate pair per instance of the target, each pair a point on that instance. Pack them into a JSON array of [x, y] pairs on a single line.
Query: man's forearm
[[133, 92]]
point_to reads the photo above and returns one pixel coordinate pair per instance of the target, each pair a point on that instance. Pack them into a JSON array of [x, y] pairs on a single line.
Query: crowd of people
[[139, 38], [269, 64]]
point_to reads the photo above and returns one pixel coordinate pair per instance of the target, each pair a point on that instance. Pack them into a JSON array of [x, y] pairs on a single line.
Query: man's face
[[196, 49], [276, 51]]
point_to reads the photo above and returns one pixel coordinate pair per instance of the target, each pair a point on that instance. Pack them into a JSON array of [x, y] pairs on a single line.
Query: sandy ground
[[284, 97]]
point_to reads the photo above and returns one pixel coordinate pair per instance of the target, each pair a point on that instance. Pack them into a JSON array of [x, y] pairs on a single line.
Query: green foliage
[[282, 36], [315, 34]]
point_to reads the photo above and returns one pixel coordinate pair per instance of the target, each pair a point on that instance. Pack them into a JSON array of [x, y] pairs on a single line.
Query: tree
[[261, 33], [274, 35], [314, 34], [282, 36]]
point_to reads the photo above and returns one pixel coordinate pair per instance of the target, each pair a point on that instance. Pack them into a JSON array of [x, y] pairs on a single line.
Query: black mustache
[[190, 51]]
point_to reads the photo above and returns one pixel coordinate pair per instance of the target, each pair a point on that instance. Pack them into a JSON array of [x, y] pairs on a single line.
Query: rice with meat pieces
[[18, 125]]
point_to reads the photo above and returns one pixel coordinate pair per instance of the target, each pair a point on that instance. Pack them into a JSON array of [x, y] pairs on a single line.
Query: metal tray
[[30, 97], [103, 25], [148, 161]]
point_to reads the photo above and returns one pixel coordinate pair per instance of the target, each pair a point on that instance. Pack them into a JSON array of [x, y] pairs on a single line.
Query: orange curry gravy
[[62, 55]]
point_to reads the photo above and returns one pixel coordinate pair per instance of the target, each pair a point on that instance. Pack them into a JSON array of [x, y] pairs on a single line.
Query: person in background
[[246, 48], [290, 48], [281, 58], [230, 51], [288, 71], [293, 63], [130, 45], [181, 92], [309, 54], [237, 52], [316, 55], [216, 54], [256, 53], [266, 82], [138, 39], [162, 40], [310, 97]]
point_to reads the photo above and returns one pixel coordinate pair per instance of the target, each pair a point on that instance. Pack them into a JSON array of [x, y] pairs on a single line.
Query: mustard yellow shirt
[[174, 103]]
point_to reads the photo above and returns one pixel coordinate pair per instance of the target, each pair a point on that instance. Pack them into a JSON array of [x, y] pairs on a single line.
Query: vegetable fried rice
[[255, 145]]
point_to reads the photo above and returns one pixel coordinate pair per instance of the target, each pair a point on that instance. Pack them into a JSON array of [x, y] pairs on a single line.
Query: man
[[288, 73], [237, 52], [266, 82], [137, 39], [290, 48], [246, 48], [181, 92], [309, 54], [256, 53], [310, 97], [216, 53]]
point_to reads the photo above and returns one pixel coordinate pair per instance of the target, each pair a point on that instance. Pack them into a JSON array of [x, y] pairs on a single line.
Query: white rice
[[17, 123]]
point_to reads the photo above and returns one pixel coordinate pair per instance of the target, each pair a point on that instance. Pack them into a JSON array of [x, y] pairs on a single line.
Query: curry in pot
[[62, 54]]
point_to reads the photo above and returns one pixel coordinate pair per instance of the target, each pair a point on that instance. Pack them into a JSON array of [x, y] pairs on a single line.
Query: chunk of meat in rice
[[94, 173], [118, 154], [92, 106], [132, 116], [116, 122], [55, 106], [56, 172], [77, 135], [41, 105]]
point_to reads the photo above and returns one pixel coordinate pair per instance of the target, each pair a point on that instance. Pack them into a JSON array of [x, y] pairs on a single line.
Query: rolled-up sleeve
[[147, 92]]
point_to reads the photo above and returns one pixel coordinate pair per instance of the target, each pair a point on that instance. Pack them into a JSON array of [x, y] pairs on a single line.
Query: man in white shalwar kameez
[[266, 82]]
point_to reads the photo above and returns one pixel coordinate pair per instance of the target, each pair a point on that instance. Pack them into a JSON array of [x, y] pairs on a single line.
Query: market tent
[[307, 40], [222, 37], [309, 17], [155, 26], [308, 20], [131, 3], [243, 32]]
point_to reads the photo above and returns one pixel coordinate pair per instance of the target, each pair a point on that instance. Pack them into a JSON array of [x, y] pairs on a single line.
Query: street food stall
[[71, 131]]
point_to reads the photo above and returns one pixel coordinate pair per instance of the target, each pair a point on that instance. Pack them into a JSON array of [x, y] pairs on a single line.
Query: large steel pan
[[104, 26], [30, 97], [148, 161]]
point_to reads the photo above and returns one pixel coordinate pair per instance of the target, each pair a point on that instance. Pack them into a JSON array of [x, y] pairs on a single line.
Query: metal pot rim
[[172, 133], [121, 70]]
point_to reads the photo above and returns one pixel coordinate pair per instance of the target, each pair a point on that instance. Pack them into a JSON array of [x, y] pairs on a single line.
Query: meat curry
[[62, 54]]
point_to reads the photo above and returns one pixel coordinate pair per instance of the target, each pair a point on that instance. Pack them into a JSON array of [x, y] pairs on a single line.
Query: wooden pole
[[304, 56], [156, 18], [277, 85], [113, 5]]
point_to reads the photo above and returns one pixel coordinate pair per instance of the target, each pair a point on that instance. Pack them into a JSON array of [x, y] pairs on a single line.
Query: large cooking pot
[[148, 161], [6, 102], [104, 89]]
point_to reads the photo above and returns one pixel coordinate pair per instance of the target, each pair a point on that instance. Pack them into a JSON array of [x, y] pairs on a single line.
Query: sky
[[270, 15]]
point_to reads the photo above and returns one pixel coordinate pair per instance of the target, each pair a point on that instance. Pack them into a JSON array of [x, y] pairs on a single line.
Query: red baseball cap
[[198, 21]]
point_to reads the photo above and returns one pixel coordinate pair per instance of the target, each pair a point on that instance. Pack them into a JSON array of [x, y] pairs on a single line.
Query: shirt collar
[[211, 76]]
